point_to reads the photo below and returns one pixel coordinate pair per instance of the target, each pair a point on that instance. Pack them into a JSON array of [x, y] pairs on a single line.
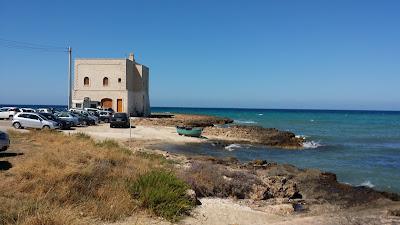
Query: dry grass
[[69, 180]]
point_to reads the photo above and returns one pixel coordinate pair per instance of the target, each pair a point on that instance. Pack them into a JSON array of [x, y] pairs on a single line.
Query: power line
[[31, 46]]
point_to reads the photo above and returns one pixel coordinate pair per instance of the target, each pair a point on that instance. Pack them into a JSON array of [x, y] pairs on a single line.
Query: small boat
[[189, 131]]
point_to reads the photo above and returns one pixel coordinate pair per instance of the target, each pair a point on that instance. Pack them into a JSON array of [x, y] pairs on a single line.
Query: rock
[[191, 194], [394, 212], [256, 135], [260, 192], [275, 187], [258, 162], [183, 120]]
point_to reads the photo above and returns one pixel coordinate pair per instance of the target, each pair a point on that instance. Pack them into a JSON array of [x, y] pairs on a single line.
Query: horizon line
[[244, 108]]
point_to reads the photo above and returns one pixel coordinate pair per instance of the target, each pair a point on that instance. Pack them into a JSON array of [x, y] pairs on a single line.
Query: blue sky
[[259, 54]]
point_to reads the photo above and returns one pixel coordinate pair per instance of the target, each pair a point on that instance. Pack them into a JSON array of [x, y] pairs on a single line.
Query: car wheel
[[10, 117], [17, 125], [45, 127], [84, 123], [106, 121]]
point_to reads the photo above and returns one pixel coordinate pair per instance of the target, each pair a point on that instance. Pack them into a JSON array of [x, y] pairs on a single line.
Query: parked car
[[96, 111], [93, 115], [76, 110], [110, 110], [8, 112], [88, 119], [64, 124], [44, 110], [67, 116], [105, 116], [27, 110], [120, 120], [33, 120], [4, 141]]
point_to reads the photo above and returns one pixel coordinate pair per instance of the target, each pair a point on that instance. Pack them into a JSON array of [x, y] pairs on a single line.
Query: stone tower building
[[120, 84]]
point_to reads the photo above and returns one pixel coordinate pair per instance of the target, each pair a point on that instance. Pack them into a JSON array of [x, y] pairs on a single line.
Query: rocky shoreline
[[286, 190], [222, 130]]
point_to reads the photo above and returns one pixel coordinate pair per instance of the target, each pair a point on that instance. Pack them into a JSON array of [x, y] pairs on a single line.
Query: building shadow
[[5, 165]]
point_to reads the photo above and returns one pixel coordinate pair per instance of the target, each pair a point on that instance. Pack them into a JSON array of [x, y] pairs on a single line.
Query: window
[[86, 81], [119, 80], [33, 117], [105, 81]]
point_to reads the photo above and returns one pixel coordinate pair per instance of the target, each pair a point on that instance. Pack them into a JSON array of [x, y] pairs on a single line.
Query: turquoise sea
[[361, 147]]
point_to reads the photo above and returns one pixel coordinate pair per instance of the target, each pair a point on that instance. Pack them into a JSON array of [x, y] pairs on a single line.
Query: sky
[[320, 54]]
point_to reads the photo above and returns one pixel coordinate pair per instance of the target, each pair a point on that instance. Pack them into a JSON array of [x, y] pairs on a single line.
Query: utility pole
[[69, 77]]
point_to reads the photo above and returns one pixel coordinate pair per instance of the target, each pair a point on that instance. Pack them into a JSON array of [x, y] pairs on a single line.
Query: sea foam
[[311, 144], [245, 121], [367, 183], [232, 147]]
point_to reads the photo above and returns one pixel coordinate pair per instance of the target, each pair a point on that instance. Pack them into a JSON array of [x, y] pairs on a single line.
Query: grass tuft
[[82, 135], [163, 193]]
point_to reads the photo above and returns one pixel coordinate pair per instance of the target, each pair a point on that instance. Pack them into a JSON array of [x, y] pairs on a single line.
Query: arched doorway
[[106, 103]]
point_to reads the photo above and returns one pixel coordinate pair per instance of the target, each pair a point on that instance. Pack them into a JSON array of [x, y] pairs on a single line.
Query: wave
[[245, 121], [367, 183], [311, 144], [260, 114], [232, 147], [302, 136]]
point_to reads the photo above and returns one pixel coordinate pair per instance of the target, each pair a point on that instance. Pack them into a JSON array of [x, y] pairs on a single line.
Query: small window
[[119, 80], [105, 81], [86, 81]]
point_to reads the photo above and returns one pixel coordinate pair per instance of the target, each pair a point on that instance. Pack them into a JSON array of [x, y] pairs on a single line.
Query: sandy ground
[[103, 131], [165, 134]]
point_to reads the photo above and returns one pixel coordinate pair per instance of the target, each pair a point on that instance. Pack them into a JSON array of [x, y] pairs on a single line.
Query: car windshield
[[49, 116], [120, 115], [42, 117]]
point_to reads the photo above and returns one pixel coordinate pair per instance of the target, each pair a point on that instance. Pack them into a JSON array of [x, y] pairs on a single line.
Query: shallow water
[[361, 147]]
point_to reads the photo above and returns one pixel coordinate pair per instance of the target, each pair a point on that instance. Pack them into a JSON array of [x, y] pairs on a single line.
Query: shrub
[[108, 143], [163, 193], [213, 180], [82, 135]]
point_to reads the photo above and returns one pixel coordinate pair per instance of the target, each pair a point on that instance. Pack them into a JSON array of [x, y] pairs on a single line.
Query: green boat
[[190, 131]]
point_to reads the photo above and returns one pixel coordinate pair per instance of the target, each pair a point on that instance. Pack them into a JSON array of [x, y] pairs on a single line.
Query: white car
[[33, 120], [27, 110], [8, 112], [44, 110], [4, 141]]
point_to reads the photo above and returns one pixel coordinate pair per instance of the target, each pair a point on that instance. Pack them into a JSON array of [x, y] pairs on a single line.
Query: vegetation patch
[[213, 180], [65, 179], [163, 193], [82, 135]]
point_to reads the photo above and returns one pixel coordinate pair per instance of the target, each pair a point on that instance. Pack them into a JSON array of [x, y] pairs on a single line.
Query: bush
[[82, 135], [213, 180], [163, 193], [108, 143]]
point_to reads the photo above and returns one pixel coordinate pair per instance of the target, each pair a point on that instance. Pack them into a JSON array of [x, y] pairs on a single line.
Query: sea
[[361, 147]]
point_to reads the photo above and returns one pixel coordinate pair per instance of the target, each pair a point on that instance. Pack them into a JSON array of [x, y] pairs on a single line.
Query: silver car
[[33, 120], [69, 117], [4, 141]]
